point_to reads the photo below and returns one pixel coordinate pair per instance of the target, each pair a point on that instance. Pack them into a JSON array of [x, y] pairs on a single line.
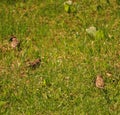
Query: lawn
[[63, 83]]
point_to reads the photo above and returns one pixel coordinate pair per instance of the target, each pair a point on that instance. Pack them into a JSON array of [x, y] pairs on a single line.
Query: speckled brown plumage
[[35, 63], [14, 42]]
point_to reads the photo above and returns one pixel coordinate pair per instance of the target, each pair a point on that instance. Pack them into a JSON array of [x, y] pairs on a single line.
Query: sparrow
[[99, 82], [14, 42], [35, 63]]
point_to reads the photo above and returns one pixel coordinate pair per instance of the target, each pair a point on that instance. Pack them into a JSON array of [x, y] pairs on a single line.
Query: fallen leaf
[[109, 74], [91, 31], [99, 82]]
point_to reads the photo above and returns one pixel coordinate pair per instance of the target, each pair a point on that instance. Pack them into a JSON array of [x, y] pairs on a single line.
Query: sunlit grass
[[64, 83]]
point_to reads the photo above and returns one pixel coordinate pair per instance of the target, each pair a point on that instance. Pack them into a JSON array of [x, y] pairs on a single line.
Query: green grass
[[64, 83]]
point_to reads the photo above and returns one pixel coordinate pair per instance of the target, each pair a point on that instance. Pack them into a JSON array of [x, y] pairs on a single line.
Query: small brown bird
[[14, 42], [35, 63], [99, 82]]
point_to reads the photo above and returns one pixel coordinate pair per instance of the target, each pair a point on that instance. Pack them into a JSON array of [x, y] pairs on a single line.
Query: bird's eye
[[11, 39]]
